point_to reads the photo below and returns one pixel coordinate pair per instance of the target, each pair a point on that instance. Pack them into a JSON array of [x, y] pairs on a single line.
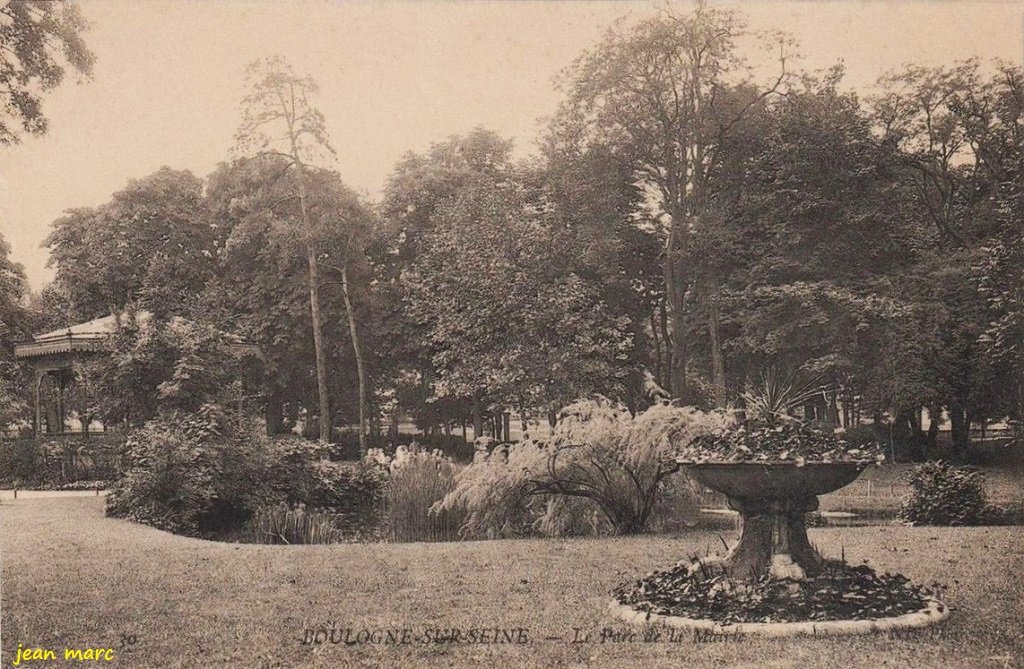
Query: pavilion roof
[[90, 336]]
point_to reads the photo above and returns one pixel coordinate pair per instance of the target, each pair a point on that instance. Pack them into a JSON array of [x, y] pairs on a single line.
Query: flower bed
[[786, 442], [702, 590]]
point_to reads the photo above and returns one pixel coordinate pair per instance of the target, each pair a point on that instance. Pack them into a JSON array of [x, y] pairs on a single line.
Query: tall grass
[[418, 480], [283, 524]]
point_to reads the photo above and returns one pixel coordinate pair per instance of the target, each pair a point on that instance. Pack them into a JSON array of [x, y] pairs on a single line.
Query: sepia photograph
[[529, 334]]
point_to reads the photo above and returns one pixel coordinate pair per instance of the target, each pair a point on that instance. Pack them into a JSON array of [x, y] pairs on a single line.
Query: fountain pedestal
[[772, 499]]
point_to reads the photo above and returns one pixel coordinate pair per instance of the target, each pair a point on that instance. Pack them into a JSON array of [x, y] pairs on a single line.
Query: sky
[[394, 77]]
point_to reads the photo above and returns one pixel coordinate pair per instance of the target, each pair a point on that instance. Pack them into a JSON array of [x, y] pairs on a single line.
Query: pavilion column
[[38, 377]]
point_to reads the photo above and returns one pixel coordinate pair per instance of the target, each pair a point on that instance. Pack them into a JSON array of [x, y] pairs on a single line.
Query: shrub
[[21, 460], [56, 463], [171, 482], [354, 492], [284, 524], [419, 479], [598, 453], [944, 494]]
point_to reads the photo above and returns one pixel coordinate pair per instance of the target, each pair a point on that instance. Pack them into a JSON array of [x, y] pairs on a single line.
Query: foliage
[[598, 453], [152, 244], [58, 463], [502, 320], [944, 494], [38, 40], [14, 326], [774, 399], [152, 365], [355, 493], [171, 482], [418, 479], [204, 474], [283, 524], [787, 442], [700, 589]]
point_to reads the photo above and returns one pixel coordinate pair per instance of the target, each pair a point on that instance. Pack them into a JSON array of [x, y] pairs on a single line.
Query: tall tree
[[152, 244], [280, 101], [665, 95], [420, 185], [506, 320], [13, 327], [958, 131], [39, 39]]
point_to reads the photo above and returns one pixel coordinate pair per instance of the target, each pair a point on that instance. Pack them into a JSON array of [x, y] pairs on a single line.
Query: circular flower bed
[[702, 590], [773, 581]]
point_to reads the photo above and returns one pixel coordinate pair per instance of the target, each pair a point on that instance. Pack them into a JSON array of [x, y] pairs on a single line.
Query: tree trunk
[[506, 418], [358, 352], [314, 299], [273, 412], [478, 419], [934, 418], [665, 380], [717, 359], [658, 370], [675, 292], [318, 344], [393, 428], [959, 431]]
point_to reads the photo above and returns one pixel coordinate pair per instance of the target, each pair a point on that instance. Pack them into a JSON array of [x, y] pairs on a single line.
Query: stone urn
[[772, 498]]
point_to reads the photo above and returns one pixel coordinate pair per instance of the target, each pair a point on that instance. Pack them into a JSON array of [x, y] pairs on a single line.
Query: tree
[[994, 123], [419, 186], [39, 39], [344, 226], [658, 95], [261, 289], [280, 101], [152, 365], [596, 216], [958, 131], [152, 244], [808, 238], [14, 324], [506, 321]]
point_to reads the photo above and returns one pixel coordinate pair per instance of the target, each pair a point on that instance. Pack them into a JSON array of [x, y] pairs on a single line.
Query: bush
[[354, 492], [171, 482], [190, 474], [284, 524], [419, 479], [21, 462], [944, 494], [57, 463], [599, 454]]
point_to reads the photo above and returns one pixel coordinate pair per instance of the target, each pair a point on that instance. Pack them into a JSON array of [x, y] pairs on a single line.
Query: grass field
[[73, 578]]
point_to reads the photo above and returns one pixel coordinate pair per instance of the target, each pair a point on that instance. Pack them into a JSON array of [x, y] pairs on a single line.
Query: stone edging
[[935, 611]]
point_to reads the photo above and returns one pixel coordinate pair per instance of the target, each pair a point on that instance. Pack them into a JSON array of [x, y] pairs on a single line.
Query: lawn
[[72, 578]]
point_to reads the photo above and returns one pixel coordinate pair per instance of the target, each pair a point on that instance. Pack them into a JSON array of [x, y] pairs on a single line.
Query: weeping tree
[[599, 453]]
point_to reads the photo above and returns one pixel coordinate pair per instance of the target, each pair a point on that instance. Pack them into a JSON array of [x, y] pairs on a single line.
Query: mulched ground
[[701, 590]]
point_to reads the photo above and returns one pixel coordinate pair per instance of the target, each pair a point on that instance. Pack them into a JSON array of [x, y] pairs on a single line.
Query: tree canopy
[[39, 41]]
